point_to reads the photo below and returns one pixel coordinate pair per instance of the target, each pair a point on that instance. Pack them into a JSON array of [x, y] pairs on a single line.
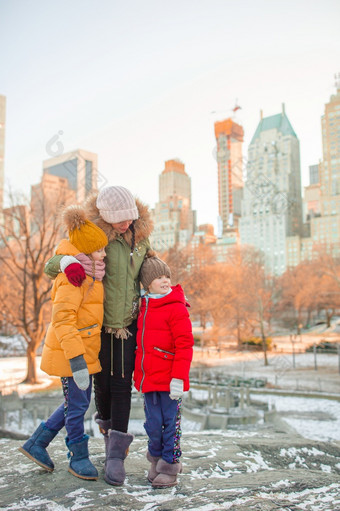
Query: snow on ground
[[13, 371], [13, 345], [231, 469], [298, 372], [316, 419]]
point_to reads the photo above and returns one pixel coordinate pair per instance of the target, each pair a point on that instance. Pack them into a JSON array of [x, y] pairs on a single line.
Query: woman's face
[[122, 227]]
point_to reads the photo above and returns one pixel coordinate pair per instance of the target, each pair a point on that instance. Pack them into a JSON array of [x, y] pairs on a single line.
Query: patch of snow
[[257, 464], [200, 473], [12, 346], [278, 484], [34, 503], [78, 492], [323, 430], [293, 451], [229, 464]]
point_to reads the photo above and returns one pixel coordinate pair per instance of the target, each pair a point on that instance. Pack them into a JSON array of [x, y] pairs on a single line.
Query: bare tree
[[178, 261], [196, 281], [326, 268], [260, 289], [28, 237], [327, 258], [299, 287]]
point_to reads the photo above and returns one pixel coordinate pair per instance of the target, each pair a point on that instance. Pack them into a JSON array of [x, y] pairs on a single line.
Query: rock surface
[[267, 467]]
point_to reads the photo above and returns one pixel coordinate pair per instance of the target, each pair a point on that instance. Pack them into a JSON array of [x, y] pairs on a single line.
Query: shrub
[[256, 343], [197, 340], [324, 347]]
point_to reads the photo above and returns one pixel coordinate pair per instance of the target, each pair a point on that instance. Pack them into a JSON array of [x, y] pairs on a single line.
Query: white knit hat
[[116, 204]]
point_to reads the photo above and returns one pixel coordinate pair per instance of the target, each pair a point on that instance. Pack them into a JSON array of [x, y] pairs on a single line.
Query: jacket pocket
[[161, 366], [89, 331], [163, 353]]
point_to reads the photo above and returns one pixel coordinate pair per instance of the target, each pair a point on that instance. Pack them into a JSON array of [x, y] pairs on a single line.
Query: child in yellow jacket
[[72, 345]]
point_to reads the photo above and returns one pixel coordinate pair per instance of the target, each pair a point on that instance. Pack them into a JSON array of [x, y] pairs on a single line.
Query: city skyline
[[138, 86]]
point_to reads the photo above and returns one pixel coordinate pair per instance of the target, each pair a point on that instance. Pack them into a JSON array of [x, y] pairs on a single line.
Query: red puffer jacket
[[164, 342]]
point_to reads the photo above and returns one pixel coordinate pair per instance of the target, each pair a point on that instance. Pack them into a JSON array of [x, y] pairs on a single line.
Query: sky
[[140, 83]]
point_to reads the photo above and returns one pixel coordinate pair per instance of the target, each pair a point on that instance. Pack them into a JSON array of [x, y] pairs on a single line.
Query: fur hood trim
[[143, 225]]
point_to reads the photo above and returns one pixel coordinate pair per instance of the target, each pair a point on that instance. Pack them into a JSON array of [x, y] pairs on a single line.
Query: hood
[[65, 247], [176, 296], [143, 225]]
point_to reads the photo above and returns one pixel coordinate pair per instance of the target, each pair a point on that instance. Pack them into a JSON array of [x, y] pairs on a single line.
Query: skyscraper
[[2, 148], [330, 166], [80, 169], [313, 174], [50, 193], [272, 204], [173, 217], [327, 226], [312, 194], [229, 139], [324, 228]]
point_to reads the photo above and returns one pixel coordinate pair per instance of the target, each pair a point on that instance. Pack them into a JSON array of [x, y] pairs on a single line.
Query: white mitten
[[80, 372], [65, 261], [176, 388]]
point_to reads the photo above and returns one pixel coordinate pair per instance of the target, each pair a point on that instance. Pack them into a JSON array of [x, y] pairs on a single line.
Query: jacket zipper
[[87, 327], [163, 351], [111, 353], [142, 343]]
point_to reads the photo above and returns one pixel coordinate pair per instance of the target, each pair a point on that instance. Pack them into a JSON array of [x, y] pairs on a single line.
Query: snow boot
[[104, 426], [80, 465], [152, 471], [167, 476], [117, 450], [35, 447]]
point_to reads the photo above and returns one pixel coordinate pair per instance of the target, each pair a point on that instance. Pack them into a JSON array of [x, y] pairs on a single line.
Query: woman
[[127, 224]]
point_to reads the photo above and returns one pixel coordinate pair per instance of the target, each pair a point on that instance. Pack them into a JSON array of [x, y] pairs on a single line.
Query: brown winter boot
[[104, 426], [117, 450], [167, 476], [152, 471]]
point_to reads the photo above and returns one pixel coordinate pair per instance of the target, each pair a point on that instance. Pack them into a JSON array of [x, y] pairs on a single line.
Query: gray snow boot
[[117, 450], [152, 473], [167, 476], [104, 426], [35, 447], [80, 465]]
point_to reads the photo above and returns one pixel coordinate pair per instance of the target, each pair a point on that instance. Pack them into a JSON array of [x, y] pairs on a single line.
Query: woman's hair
[[132, 229]]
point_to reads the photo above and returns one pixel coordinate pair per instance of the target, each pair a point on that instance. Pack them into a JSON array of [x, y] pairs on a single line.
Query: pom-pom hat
[[116, 204], [151, 269], [86, 236]]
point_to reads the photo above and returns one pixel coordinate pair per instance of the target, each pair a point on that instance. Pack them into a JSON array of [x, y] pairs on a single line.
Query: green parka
[[121, 281]]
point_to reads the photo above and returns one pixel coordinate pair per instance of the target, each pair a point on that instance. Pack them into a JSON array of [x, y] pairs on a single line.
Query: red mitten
[[75, 274]]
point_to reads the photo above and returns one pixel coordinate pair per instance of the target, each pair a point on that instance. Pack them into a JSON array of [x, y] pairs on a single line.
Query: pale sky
[[136, 82]]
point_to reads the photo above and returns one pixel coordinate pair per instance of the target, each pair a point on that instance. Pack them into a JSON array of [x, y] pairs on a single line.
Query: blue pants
[[72, 411], [163, 425]]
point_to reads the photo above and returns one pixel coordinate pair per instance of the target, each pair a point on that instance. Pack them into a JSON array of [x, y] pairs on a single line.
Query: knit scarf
[[95, 269]]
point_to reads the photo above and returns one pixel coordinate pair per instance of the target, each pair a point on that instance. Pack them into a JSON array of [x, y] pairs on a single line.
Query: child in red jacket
[[163, 358]]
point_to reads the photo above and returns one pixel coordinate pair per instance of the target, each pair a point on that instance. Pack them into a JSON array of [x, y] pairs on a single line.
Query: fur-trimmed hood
[[143, 225]]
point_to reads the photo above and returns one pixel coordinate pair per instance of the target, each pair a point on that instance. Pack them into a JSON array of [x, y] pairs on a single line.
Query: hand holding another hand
[[73, 270]]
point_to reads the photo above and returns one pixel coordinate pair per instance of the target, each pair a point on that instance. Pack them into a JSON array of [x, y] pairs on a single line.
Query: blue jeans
[[72, 411], [163, 425]]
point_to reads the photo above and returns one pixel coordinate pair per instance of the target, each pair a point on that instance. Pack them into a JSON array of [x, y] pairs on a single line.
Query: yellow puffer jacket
[[77, 317]]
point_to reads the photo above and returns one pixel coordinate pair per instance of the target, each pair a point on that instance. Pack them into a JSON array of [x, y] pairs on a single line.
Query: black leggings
[[113, 391]]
